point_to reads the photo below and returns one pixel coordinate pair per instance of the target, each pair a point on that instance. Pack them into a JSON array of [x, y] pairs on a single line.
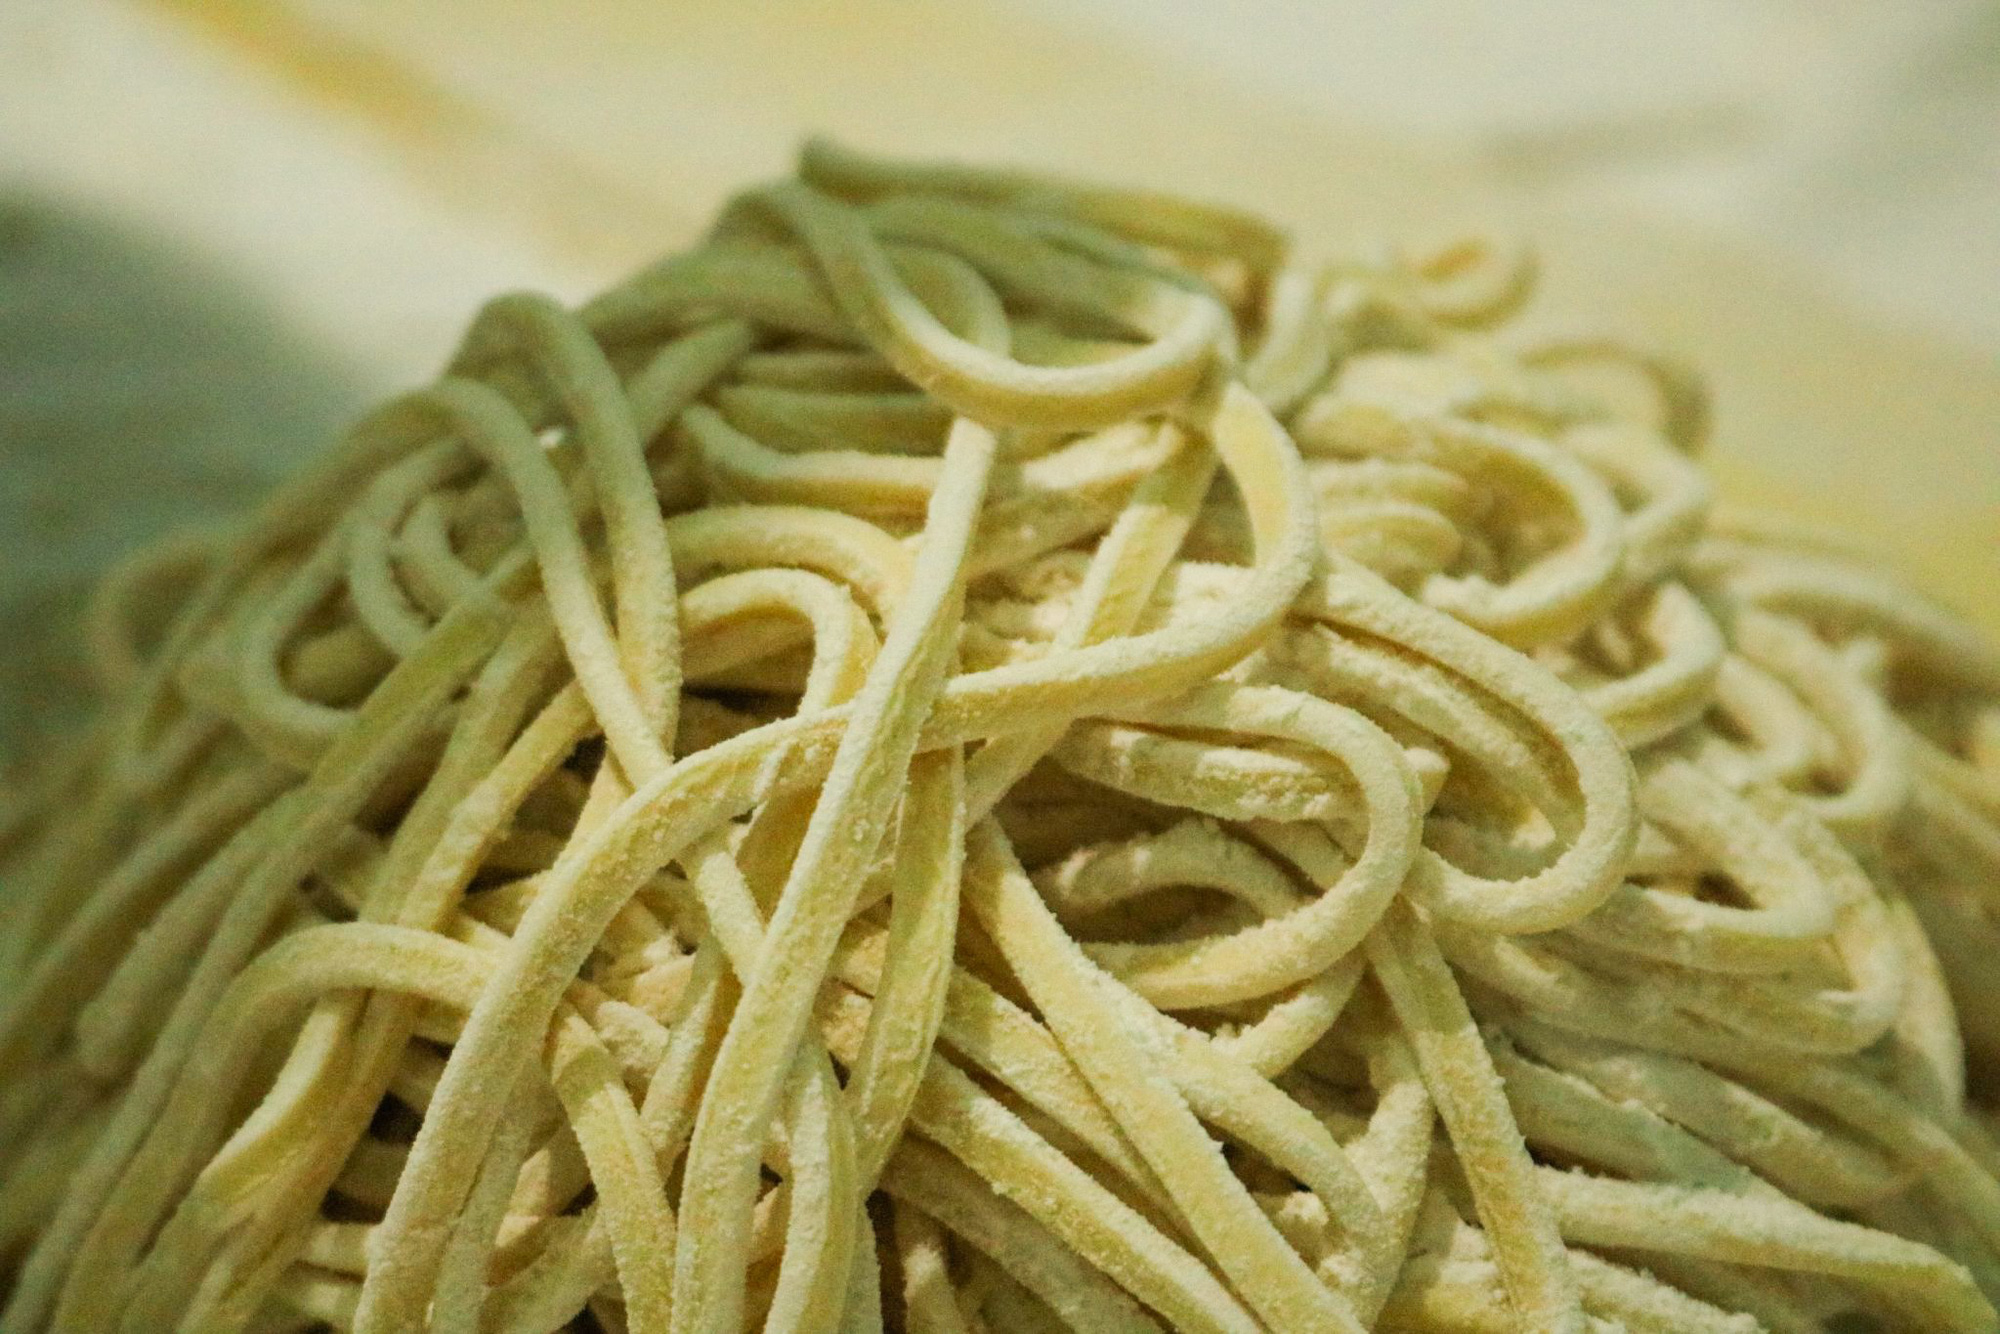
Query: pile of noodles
[[984, 755]]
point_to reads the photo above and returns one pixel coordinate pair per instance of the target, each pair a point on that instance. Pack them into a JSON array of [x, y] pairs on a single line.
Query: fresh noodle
[[982, 754]]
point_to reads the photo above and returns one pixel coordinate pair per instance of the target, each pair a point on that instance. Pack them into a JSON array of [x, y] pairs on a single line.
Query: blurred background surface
[[226, 225]]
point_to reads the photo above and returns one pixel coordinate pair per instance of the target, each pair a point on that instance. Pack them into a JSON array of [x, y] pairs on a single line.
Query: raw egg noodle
[[981, 754]]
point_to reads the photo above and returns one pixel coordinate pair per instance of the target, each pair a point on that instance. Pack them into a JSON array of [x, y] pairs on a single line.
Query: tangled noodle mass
[[1182, 788]]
